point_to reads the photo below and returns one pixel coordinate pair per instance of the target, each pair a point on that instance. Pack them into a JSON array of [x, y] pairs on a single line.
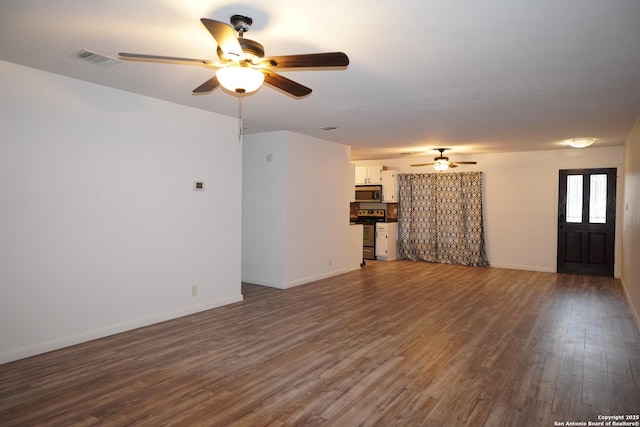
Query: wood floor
[[395, 343]]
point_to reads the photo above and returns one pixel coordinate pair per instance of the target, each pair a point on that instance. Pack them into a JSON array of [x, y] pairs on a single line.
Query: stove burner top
[[371, 215]]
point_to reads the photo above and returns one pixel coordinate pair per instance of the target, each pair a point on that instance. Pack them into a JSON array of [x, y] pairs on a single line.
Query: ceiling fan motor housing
[[251, 49], [241, 23]]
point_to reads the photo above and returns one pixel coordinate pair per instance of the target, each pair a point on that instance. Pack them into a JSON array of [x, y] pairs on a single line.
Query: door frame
[[585, 229]]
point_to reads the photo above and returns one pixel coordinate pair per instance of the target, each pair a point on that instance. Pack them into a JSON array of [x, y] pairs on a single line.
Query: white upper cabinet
[[368, 174], [389, 186]]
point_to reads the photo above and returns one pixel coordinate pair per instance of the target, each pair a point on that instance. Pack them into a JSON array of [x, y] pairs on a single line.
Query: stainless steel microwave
[[368, 193]]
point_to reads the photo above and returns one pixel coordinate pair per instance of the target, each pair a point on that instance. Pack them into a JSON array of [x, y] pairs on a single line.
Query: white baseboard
[[57, 344], [256, 281], [524, 267], [634, 310], [299, 282], [310, 279]]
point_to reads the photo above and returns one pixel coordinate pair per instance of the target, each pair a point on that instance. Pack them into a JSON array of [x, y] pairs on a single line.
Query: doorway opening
[[586, 221]]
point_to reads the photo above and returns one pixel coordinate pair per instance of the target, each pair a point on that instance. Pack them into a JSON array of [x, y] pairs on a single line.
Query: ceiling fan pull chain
[[239, 120]]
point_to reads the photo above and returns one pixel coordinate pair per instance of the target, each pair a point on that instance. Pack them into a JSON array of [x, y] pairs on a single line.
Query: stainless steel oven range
[[368, 218]]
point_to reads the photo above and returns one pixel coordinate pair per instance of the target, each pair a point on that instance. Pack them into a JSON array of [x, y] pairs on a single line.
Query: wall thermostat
[[198, 185]]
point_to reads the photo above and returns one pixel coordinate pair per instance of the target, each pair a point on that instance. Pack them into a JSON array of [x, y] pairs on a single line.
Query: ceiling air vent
[[95, 58]]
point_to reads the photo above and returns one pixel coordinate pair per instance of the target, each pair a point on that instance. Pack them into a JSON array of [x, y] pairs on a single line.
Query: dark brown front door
[[586, 221]]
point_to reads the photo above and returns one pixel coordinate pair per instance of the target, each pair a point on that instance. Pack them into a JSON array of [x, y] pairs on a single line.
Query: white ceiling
[[477, 76]]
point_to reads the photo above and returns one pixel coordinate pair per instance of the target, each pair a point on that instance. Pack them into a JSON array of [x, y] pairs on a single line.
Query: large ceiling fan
[[442, 163], [242, 66]]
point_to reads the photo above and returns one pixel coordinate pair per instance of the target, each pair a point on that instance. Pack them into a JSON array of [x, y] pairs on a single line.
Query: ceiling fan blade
[[452, 165], [285, 84], [143, 57], [466, 163], [423, 164], [207, 86], [311, 60], [224, 36]]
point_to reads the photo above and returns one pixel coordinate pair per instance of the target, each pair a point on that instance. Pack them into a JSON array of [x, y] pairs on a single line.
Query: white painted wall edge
[[115, 329]]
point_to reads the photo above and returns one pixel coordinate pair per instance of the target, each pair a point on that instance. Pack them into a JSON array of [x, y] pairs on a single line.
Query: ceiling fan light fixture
[[441, 165], [581, 142], [240, 79]]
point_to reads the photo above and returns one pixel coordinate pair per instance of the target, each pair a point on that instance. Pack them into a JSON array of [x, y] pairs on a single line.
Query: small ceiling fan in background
[[442, 163], [242, 66]]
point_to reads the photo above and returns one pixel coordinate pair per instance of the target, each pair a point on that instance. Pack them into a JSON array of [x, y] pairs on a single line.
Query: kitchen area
[[375, 209]]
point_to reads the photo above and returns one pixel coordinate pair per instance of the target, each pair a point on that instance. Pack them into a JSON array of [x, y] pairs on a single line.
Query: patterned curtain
[[440, 218]]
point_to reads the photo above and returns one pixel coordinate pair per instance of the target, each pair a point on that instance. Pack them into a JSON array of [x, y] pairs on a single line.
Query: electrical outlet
[[194, 291], [330, 263]]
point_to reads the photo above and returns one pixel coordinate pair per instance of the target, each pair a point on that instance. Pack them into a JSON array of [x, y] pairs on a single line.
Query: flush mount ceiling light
[[240, 79], [581, 142]]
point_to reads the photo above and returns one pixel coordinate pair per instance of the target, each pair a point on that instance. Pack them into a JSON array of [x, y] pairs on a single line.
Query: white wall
[[296, 193], [100, 229], [521, 200], [631, 221], [264, 165]]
